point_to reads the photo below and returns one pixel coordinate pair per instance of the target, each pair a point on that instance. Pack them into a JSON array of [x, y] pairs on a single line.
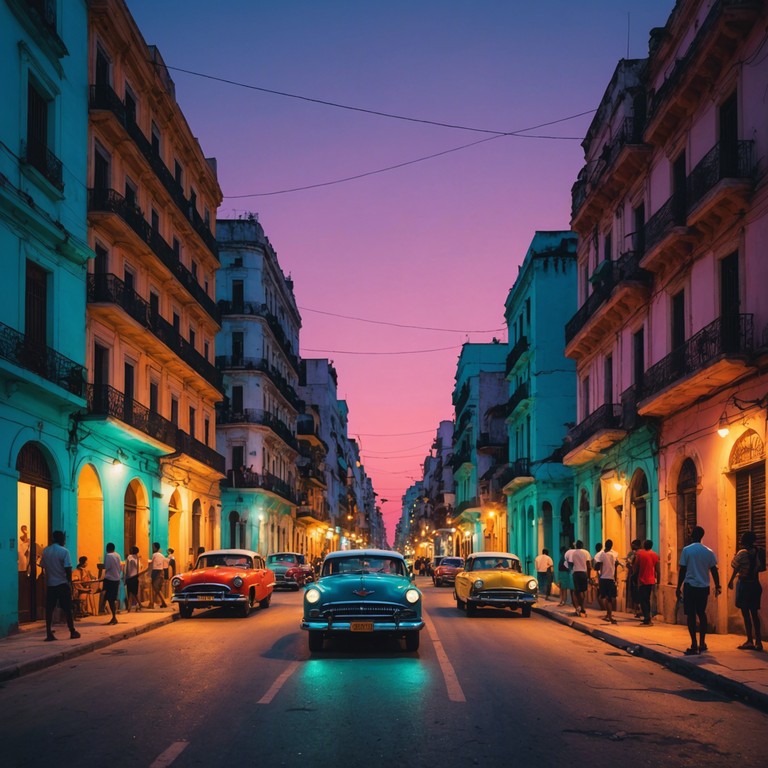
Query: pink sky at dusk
[[435, 243]]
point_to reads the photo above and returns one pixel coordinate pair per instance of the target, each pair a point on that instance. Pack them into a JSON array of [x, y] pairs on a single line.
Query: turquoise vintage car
[[363, 591], [494, 580]]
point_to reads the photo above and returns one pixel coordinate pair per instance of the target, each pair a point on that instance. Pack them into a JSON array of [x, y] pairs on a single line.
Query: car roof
[[275, 554], [492, 554], [248, 552], [364, 553]]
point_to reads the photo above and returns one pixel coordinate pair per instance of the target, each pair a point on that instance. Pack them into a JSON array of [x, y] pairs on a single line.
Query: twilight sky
[[432, 244]]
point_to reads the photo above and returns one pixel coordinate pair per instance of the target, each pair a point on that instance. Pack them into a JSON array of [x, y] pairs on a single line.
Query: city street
[[492, 690]]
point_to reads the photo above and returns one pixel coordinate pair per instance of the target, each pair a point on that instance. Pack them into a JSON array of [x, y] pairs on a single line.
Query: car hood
[[374, 587], [219, 574], [494, 579]]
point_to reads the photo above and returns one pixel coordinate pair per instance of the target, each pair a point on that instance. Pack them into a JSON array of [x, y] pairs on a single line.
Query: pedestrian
[[170, 570], [563, 577], [593, 592], [747, 564], [697, 563], [606, 564], [82, 584], [132, 573], [544, 566], [57, 564], [633, 592], [157, 572], [580, 562], [113, 574], [647, 565]]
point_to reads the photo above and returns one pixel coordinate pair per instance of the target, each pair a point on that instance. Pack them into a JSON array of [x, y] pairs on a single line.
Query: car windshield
[[290, 559], [224, 560], [373, 564], [452, 562], [495, 563]]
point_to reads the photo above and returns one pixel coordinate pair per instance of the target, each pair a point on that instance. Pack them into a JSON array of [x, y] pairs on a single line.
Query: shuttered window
[[750, 501]]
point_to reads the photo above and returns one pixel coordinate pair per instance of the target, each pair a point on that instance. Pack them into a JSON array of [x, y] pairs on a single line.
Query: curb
[[736, 690], [12, 671]]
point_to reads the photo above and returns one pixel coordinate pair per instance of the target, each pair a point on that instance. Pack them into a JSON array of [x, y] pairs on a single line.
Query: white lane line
[[278, 684], [455, 693], [170, 754]]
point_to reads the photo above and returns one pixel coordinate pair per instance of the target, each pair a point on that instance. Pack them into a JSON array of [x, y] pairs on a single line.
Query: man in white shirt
[[544, 567], [580, 562], [606, 561], [57, 564], [113, 574], [157, 566]]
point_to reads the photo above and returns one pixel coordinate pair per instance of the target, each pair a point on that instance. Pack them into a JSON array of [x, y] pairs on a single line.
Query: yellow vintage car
[[494, 580]]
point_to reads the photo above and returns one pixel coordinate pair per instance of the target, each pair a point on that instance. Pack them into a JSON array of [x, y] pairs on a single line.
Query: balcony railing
[[515, 469], [462, 456], [462, 397], [728, 335], [42, 360], [670, 215], [465, 505], [607, 416], [104, 400], [521, 346], [43, 14], [109, 201], [490, 441], [520, 394], [721, 162], [244, 478], [104, 97], [262, 365], [110, 289], [39, 156], [263, 418]]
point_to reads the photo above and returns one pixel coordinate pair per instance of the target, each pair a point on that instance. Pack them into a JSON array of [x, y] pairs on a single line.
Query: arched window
[[639, 501], [748, 462]]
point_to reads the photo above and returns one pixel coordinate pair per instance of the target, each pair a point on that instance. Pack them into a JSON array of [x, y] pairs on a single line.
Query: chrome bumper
[[378, 626], [512, 600], [200, 601]]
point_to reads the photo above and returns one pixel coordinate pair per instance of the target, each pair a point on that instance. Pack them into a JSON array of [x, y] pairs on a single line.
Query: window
[[154, 397], [192, 421], [608, 391], [128, 279], [237, 399], [130, 106], [36, 307], [155, 216], [174, 410], [37, 150], [678, 320], [238, 294], [206, 350], [585, 405], [100, 265], [238, 456], [607, 246], [155, 139], [131, 193], [102, 68], [638, 356], [638, 236], [194, 270], [101, 170], [206, 430], [154, 304], [192, 337], [238, 345], [176, 248], [176, 322], [178, 173]]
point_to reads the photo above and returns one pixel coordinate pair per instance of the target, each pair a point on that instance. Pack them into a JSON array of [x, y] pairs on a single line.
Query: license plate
[[361, 626], [204, 597]]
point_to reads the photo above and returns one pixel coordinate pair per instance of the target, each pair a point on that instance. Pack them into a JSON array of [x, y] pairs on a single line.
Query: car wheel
[[438, 582], [470, 608], [526, 611], [185, 611], [315, 640], [295, 588], [412, 641], [245, 608], [265, 602], [459, 602]]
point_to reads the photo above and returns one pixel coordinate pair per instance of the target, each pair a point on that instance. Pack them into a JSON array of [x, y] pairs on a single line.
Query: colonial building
[[439, 488], [538, 488], [670, 340], [257, 350], [43, 242], [147, 468]]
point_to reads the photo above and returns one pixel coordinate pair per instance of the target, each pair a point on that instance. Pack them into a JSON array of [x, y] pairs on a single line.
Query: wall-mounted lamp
[[722, 426]]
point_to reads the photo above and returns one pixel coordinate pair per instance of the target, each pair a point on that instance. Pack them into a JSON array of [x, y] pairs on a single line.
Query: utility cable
[[402, 352]]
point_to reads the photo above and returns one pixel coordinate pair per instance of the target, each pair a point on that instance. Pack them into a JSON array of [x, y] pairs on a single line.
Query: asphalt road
[[494, 690]]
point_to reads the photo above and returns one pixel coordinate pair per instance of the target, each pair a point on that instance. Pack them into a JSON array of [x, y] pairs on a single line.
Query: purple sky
[[436, 243]]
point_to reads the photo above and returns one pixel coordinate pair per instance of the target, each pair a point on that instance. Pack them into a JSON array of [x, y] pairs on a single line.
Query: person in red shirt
[[649, 575]]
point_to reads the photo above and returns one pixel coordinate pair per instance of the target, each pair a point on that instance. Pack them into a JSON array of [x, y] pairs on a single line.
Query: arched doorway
[[687, 483], [747, 462], [34, 515], [210, 528], [236, 534], [584, 507], [566, 523], [546, 520], [638, 496], [90, 517], [197, 516], [175, 514], [135, 520]]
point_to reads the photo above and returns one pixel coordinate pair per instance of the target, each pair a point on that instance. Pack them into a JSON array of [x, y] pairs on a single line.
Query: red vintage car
[[234, 578], [445, 573], [291, 569]]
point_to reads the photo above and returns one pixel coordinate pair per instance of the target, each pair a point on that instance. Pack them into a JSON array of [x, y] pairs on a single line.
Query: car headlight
[[176, 582], [478, 584], [533, 584], [312, 596], [237, 582], [412, 595]]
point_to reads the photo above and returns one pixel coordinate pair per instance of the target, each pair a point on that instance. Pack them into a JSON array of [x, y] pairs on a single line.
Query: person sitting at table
[[83, 587]]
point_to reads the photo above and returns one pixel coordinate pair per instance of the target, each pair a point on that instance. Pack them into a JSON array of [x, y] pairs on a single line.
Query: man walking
[[580, 563], [157, 569], [57, 564], [113, 573], [648, 576], [544, 566], [697, 562], [606, 562]]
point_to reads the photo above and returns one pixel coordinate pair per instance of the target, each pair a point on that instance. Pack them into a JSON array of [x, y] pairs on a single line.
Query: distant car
[[436, 561], [232, 578], [494, 580], [363, 591], [445, 572], [291, 569]]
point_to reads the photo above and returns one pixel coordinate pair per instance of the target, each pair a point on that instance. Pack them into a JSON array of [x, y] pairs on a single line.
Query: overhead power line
[[400, 352]]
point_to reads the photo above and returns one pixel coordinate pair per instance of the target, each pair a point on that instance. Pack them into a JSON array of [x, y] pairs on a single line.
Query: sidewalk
[[27, 651], [741, 674]]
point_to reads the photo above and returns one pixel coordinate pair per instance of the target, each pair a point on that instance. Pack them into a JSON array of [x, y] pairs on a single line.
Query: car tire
[[185, 611], [412, 641], [470, 608], [459, 602], [526, 609], [245, 608], [438, 582], [295, 587], [265, 602], [316, 640]]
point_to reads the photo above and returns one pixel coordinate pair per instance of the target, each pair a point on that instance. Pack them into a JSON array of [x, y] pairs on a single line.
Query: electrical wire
[[402, 352]]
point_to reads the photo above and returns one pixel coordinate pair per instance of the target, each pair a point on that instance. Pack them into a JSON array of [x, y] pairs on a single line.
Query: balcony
[[106, 401], [107, 201], [516, 475], [104, 98], [461, 457], [666, 235], [265, 481], [261, 418], [716, 356], [690, 80], [109, 289], [520, 348], [47, 363], [37, 155], [719, 187], [40, 19], [620, 162], [520, 395], [309, 513], [262, 365], [621, 287], [491, 444], [595, 434], [460, 399]]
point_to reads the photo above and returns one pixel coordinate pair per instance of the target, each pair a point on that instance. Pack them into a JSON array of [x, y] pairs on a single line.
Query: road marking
[[278, 684], [455, 693], [170, 754]]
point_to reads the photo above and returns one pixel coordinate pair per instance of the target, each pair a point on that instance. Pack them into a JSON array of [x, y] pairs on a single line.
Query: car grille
[[205, 589], [346, 611], [501, 594], [279, 577]]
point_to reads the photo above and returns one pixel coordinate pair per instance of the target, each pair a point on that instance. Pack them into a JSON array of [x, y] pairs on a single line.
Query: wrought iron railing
[[521, 346], [245, 478], [669, 216], [42, 360], [515, 469], [263, 366], [462, 397], [607, 416], [723, 161], [465, 505], [39, 156], [520, 394], [258, 416]]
